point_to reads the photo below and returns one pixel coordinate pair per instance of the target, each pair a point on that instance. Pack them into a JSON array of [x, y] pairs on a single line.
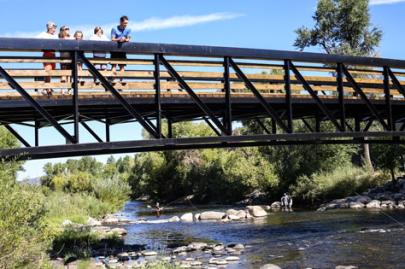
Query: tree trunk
[[366, 156], [394, 180]]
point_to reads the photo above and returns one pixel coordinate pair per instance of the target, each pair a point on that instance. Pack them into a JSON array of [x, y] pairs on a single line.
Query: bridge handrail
[[34, 44]]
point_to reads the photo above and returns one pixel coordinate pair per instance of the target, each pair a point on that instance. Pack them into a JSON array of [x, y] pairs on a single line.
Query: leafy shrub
[[342, 182], [23, 240]]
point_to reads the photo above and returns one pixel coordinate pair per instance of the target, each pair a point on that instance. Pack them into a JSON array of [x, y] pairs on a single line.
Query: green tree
[[342, 27]]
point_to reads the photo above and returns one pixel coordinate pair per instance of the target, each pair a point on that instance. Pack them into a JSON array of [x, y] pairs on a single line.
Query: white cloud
[[385, 2], [150, 24]]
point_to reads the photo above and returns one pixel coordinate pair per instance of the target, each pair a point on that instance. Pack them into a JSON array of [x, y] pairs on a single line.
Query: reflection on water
[[290, 239]]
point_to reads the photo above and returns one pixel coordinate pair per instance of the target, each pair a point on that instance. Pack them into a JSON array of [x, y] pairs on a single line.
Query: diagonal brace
[[212, 126], [87, 127], [396, 82], [363, 96], [132, 111], [314, 96], [270, 110], [194, 96], [17, 135], [14, 84]]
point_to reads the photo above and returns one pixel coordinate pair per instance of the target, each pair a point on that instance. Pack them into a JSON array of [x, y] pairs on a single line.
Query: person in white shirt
[[49, 34], [64, 33], [99, 36]]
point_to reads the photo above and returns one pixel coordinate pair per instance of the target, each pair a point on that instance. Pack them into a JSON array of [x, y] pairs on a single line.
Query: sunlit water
[[289, 239]]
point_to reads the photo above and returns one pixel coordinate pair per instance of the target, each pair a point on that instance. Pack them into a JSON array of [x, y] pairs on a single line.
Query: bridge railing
[[195, 73]]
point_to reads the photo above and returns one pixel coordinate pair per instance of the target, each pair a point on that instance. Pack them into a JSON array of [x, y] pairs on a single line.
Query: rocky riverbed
[[389, 196]]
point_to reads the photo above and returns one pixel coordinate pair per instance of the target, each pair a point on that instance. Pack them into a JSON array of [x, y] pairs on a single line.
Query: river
[[299, 239]]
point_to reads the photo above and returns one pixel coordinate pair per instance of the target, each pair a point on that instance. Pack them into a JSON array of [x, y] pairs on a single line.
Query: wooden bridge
[[175, 83]]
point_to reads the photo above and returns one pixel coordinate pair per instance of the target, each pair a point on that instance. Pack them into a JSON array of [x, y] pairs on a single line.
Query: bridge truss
[[363, 99]]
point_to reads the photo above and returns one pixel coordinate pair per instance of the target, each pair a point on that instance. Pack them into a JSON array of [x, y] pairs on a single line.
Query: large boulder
[[212, 215], [196, 246], [362, 199], [276, 205], [257, 211], [174, 219], [188, 217], [388, 204], [119, 231], [233, 217], [374, 204], [384, 196], [109, 219], [232, 212], [236, 214], [93, 222], [356, 205]]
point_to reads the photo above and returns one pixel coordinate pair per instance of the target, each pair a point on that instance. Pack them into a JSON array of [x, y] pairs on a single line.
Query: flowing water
[[300, 239]]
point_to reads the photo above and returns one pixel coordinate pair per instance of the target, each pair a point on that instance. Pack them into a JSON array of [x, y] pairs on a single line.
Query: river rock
[[237, 246], [362, 199], [188, 217], [212, 215], [148, 253], [123, 256], [174, 219], [232, 212], [234, 217], [356, 205], [275, 205], [196, 246], [384, 196], [242, 214], [387, 204], [180, 249], [110, 220], [248, 215], [197, 216], [218, 247], [232, 259], [67, 222], [217, 261], [270, 266], [257, 211], [346, 267], [374, 204], [196, 263], [93, 222], [119, 231]]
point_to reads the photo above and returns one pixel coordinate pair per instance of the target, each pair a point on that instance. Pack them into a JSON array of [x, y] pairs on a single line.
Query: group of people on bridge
[[120, 33]]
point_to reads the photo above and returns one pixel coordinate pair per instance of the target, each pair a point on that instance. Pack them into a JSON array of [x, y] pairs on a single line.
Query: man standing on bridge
[[120, 34]]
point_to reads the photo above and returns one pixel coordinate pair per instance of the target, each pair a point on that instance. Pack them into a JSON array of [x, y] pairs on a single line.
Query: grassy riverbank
[[32, 217]]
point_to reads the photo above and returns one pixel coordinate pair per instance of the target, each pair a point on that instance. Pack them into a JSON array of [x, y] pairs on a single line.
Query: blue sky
[[237, 23]]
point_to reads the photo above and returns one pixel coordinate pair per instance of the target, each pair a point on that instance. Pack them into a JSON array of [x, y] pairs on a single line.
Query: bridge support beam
[[228, 105], [88, 128], [363, 96], [36, 106], [288, 95], [192, 94], [269, 109], [199, 143], [131, 110], [314, 96], [17, 135]]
